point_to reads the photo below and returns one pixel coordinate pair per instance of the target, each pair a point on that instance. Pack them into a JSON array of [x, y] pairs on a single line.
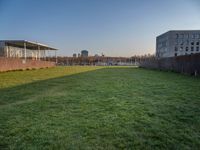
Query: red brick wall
[[7, 64]]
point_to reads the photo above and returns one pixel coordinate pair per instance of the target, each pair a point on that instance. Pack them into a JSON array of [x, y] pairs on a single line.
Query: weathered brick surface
[[7, 64]]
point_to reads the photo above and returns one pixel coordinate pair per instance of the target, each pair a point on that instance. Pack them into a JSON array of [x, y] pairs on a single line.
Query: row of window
[[175, 54], [192, 43], [186, 43], [187, 48], [187, 36]]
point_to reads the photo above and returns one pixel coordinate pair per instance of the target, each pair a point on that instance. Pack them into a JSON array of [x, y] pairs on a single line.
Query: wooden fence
[[189, 64]]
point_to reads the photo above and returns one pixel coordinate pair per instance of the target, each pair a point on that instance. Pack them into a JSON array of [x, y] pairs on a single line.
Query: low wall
[[7, 64], [189, 64]]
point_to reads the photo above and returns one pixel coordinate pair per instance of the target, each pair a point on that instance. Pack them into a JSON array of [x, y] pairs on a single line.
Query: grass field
[[99, 108]]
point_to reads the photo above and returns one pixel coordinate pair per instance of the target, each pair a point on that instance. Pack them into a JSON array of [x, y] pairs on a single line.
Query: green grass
[[99, 108]]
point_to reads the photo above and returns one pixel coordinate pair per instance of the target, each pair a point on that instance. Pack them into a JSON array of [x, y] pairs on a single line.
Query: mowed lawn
[[99, 108]]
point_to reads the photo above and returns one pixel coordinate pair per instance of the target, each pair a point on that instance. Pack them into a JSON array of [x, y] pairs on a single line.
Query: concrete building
[[74, 55], [25, 49], [177, 43], [84, 53]]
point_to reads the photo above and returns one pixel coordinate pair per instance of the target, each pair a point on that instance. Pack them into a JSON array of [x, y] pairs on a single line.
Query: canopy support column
[[39, 51], [25, 51], [45, 55]]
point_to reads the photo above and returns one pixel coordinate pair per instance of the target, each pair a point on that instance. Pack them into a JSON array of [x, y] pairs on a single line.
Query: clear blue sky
[[114, 27]]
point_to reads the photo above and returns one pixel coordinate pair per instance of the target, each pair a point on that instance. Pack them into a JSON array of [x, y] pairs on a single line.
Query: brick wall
[[7, 64]]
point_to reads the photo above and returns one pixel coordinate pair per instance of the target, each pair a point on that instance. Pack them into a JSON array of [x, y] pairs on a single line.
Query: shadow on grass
[[30, 91]]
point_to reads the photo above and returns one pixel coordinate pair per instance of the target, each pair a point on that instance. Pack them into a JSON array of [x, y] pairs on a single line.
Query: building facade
[[74, 55], [84, 53], [178, 42]]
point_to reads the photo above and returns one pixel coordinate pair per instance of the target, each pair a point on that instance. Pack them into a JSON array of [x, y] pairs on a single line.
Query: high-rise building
[[84, 53], [74, 55]]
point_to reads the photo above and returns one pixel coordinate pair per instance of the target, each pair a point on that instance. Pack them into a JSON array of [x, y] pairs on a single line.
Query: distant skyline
[[112, 27]]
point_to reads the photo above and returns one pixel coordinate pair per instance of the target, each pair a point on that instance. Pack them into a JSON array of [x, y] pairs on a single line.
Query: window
[[193, 36], [192, 43], [177, 36], [176, 49], [192, 48], [187, 42], [197, 48], [197, 43], [186, 49], [176, 43], [164, 44], [187, 36], [181, 42], [182, 35], [175, 54], [181, 48], [198, 36]]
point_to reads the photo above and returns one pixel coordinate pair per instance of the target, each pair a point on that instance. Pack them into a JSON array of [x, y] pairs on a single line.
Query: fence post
[[195, 73]]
